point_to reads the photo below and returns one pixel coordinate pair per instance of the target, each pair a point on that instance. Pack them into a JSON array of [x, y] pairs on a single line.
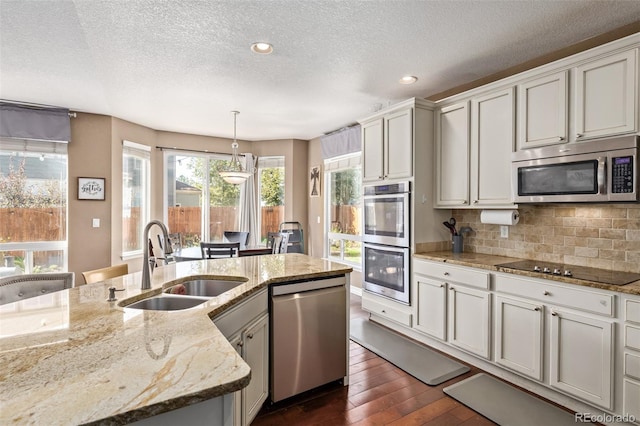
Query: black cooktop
[[603, 276]]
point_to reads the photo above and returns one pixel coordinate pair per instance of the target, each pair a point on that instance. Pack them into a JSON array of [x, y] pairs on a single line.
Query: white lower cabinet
[[518, 335], [246, 326], [468, 319], [581, 361], [253, 346], [431, 317]]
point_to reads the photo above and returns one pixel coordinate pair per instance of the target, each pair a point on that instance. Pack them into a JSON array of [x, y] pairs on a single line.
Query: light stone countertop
[[490, 262], [71, 357]]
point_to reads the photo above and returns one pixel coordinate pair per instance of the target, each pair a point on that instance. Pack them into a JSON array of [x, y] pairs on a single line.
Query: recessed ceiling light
[[408, 79], [262, 48]]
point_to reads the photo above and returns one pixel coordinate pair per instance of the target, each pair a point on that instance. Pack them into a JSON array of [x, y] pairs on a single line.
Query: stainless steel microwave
[[604, 170]]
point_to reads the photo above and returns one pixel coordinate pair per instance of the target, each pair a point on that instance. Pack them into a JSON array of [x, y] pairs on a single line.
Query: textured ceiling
[[183, 65]]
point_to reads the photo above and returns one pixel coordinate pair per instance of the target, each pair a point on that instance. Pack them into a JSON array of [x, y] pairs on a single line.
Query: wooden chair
[[19, 287], [219, 250], [102, 274], [237, 237]]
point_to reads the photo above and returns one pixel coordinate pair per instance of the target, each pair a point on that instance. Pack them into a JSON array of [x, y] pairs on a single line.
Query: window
[[271, 195], [33, 206], [136, 164], [343, 206], [199, 204]]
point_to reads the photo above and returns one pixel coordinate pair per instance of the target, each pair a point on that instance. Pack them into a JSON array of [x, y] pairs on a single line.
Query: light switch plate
[[504, 231], [96, 222]]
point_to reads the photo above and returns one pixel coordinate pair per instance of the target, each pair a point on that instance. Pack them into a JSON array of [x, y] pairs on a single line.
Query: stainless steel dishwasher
[[308, 335]]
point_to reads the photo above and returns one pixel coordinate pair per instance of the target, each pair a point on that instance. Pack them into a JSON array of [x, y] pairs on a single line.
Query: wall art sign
[[314, 182], [90, 188]]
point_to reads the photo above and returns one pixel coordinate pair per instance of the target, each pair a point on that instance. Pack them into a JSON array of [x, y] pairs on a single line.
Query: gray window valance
[[32, 122], [342, 142]]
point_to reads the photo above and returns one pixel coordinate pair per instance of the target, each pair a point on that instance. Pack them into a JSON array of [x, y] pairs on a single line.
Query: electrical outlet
[[504, 231]]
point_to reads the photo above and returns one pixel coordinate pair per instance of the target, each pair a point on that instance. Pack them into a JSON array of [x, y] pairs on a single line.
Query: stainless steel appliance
[[386, 214], [308, 335], [386, 271], [579, 272], [603, 170]]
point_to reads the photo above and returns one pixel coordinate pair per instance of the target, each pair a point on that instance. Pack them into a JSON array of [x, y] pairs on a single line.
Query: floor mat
[[505, 404], [422, 363]]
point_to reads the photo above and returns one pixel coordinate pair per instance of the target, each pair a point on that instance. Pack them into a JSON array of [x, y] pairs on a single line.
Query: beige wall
[[599, 236]]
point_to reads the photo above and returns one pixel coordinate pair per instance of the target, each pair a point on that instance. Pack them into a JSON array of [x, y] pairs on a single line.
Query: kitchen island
[[72, 357]]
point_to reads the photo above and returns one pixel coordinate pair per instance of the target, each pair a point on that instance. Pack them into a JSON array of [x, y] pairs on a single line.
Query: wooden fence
[[43, 224]]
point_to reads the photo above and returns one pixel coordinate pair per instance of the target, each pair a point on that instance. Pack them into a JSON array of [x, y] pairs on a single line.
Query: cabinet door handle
[[441, 285], [537, 308], [546, 293], [475, 201], [579, 135], [250, 336], [446, 274], [240, 343], [555, 314], [452, 289], [560, 138]]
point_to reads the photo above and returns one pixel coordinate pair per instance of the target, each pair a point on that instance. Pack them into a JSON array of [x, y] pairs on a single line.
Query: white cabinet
[[387, 146], [469, 319], [581, 362], [473, 158], [543, 111], [246, 326], [253, 345], [606, 96], [431, 317], [452, 155], [631, 343], [492, 142], [518, 336]]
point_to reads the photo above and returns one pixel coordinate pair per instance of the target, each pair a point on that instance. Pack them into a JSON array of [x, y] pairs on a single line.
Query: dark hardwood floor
[[379, 393]]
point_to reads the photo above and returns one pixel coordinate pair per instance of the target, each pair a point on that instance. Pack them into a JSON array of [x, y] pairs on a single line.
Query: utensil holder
[[457, 243]]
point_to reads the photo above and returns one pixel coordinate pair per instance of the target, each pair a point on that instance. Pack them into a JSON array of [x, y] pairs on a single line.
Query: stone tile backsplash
[[599, 236]]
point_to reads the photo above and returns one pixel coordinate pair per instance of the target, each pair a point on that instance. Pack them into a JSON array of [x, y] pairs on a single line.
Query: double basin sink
[[186, 295]]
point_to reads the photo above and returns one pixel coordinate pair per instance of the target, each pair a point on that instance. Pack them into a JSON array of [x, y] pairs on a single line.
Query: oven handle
[[602, 175]]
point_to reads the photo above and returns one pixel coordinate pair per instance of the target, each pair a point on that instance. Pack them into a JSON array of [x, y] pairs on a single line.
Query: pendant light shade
[[234, 174]]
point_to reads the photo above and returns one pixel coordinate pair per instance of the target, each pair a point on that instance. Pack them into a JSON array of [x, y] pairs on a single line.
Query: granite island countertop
[[71, 357], [490, 262]]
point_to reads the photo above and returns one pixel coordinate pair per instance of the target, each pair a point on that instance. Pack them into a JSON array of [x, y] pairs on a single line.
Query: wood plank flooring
[[379, 393]]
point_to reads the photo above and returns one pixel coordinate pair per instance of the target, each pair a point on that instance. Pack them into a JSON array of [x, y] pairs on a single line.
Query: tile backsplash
[[598, 236]]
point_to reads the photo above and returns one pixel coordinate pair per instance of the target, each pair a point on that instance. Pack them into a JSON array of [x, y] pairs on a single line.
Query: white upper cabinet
[[372, 151], [452, 155], [606, 96], [473, 152], [492, 142], [543, 111], [387, 147]]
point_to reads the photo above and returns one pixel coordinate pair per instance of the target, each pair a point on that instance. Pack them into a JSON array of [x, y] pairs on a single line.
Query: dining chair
[[102, 274], [237, 237], [280, 243], [19, 287], [175, 240], [219, 250]]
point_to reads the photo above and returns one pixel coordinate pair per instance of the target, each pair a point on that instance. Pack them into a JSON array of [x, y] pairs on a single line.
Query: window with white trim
[[343, 180], [33, 206], [136, 196]]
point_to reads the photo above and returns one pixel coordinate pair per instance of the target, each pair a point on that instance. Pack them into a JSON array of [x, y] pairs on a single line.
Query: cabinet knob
[[560, 138], [446, 274], [555, 314], [579, 135], [537, 308], [452, 289], [384, 312], [441, 285], [250, 336], [475, 201], [240, 343], [546, 293]]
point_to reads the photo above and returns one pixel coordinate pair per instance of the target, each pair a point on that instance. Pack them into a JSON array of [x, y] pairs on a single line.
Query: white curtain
[[249, 210]]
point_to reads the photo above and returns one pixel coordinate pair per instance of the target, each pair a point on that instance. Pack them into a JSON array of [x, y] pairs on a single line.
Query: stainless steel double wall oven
[[387, 240]]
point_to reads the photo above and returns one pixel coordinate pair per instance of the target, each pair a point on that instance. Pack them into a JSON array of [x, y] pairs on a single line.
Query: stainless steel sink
[[203, 287], [166, 303]]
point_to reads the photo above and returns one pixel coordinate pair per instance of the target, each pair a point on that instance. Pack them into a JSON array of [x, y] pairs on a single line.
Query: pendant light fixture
[[235, 174]]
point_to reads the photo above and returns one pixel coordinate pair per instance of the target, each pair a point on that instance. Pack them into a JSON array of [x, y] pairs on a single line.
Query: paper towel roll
[[500, 217]]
